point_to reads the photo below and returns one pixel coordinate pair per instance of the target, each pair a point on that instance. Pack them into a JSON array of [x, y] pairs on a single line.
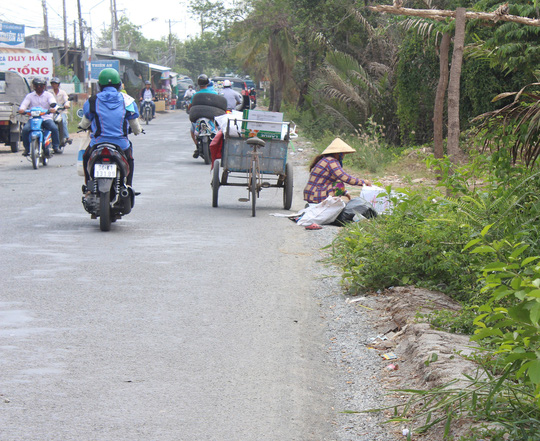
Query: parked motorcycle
[[146, 110], [205, 130], [40, 138], [64, 140]]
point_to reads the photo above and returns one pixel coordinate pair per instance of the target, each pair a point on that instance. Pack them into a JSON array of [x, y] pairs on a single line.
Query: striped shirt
[[323, 176]]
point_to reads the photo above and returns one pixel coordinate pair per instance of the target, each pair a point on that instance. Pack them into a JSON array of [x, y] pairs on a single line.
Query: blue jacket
[[109, 112]]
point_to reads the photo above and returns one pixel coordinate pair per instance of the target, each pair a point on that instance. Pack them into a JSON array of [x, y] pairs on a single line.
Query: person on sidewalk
[[326, 171]]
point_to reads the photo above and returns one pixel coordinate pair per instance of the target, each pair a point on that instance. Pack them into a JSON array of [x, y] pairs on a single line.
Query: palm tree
[[519, 122], [268, 45], [348, 90]]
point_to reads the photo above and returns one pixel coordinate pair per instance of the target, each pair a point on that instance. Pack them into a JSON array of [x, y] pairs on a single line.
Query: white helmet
[[227, 83]]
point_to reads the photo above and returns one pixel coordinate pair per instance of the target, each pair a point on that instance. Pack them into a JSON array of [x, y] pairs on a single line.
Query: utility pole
[[81, 27], [114, 25], [45, 24], [172, 57], [65, 36], [75, 33], [170, 42]]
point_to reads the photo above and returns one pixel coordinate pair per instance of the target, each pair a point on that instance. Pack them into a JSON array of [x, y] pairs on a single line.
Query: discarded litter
[[392, 367], [389, 356]]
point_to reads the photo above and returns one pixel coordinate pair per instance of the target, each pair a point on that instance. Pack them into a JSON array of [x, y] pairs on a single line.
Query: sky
[[152, 15]]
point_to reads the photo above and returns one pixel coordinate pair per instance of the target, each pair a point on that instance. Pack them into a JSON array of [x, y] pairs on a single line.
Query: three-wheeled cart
[[253, 163]]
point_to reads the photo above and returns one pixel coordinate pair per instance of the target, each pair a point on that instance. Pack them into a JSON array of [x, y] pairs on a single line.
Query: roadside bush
[[508, 324], [419, 243]]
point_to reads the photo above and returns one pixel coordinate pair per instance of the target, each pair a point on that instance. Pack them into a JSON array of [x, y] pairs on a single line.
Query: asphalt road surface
[[183, 323]]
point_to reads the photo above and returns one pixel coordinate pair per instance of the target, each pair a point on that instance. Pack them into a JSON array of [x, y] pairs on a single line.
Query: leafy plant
[[510, 321], [417, 244]]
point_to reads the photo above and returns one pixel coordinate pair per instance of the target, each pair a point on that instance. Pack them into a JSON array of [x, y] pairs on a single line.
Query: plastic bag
[[323, 213], [82, 147], [356, 206]]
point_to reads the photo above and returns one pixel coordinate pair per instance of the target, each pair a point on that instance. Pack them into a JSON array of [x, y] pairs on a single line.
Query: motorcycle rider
[[63, 101], [253, 97], [232, 96], [189, 93], [40, 98], [204, 84], [108, 114], [148, 94]]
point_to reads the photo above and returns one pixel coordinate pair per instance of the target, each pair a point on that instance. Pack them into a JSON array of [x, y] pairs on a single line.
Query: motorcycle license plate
[[105, 171]]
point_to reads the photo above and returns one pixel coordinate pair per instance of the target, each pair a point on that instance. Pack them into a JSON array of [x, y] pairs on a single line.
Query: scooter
[[146, 110], [106, 194], [40, 138], [205, 130]]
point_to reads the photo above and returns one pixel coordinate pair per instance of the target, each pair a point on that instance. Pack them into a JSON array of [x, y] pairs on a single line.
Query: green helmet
[[109, 77]]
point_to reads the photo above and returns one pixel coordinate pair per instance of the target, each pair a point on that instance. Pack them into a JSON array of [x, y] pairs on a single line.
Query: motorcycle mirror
[[80, 113], [53, 105]]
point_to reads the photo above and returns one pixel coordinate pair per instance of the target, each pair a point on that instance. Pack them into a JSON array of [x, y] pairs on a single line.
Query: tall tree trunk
[[453, 86], [438, 111], [271, 103], [278, 97]]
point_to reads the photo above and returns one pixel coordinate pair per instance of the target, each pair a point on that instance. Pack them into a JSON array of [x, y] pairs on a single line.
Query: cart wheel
[[288, 187], [215, 184], [253, 189]]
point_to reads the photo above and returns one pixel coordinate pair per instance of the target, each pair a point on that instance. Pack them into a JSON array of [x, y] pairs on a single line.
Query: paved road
[[184, 322]]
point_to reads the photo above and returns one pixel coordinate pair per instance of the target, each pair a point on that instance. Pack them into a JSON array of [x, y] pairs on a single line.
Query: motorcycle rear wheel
[[34, 153], [206, 150], [104, 211]]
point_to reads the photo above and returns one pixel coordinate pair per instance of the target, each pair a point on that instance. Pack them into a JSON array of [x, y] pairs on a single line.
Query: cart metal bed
[[253, 163]]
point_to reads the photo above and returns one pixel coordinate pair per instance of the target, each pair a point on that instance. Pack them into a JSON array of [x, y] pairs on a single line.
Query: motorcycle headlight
[[35, 113]]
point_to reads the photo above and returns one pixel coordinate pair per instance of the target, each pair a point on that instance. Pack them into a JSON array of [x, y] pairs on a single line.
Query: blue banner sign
[[11, 35], [97, 66]]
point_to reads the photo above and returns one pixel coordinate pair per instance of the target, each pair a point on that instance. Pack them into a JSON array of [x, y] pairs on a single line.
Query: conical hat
[[338, 146]]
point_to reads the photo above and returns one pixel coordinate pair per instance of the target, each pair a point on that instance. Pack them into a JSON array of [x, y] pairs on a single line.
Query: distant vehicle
[[13, 89], [238, 84], [250, 84], [183, 85]]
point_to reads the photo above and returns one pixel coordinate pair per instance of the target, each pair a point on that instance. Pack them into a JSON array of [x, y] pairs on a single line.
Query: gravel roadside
[[360, 371]]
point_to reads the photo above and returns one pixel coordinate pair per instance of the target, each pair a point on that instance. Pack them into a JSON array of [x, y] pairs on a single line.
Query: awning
[[158, 67]]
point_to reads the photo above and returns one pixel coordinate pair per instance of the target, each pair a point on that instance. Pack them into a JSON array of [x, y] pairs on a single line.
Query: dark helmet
[[109, 77], [39, 82], [203, 80], [55, 80], [147, 82]]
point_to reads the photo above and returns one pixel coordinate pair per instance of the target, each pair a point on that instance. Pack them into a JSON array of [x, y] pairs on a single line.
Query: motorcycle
[[40, 138], [106, 194], [146, 110], [64, 140], [205, 131]]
